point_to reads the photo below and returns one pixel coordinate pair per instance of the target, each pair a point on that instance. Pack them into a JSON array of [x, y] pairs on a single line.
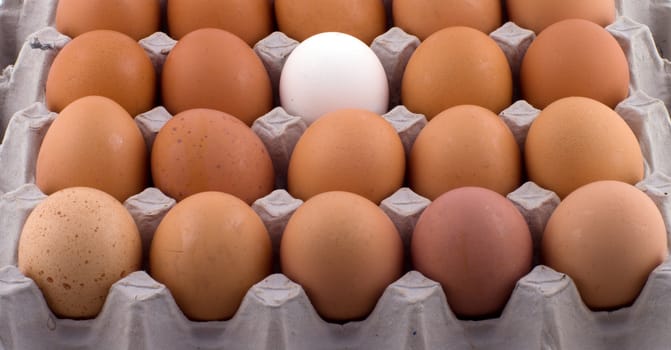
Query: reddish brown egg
[[203, 150], [301, 19], [212, 68], [135, 18], [104, 63], [455, 66], [574, 57], [251, 20], [477, 245]]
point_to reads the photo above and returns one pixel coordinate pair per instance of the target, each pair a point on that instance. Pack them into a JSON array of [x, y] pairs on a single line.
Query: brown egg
[[301, 19], [344, 251], [607, 236], [203, 150], [135, 18], [574, 57], [425, 17], [538, 15], [209, 250], [464, 146], [95, 143], [348, 150], [75, 244], [456, 66], [477, 245], [105, 63], [575, 141], [212, 68], [251, 20]]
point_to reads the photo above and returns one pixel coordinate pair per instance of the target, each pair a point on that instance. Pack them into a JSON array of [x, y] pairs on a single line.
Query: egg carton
[[544, 311]]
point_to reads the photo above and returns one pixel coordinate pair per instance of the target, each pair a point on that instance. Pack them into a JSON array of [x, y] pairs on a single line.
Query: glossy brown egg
[[344, 251], [212, 68], [135, 18], [577, 140], [301, 19], [464, 146], [209, 250], [348, 150], [538, 15], [607, 236], [104, 63], [455, 66], [95, 143], [425, 17], [574, 57], [203, 150], [251, 20]]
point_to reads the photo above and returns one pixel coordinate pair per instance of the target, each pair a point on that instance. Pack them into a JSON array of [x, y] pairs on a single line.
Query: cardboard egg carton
[[544, 311]]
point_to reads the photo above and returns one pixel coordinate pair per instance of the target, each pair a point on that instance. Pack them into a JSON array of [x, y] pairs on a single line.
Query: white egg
[[331, 71]]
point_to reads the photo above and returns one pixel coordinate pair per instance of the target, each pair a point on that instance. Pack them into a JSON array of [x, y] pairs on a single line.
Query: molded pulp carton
[[544, 312]]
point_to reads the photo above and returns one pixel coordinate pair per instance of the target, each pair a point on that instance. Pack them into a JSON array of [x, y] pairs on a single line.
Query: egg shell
[[475, 243], [455, 66], [464, 145], [206, 150], [607, 236], [75, 245], [537, 15], [94, 143], [332, 71], [249, 20], [209, 250], [348, 150], [301, 19], [105, 63], [135, 18], [574, 57], [212, 68], [344, 251], [425, 17], [577, 140]]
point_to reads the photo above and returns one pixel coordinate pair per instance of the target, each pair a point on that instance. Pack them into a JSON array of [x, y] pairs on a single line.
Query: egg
[[538, 15], [135, 18], [209, 250], [455, 66], [425, 17], [212, 68], [476, 244], [75, 244], [607, 236], [574, 57], [464, 145], [331, 71], [105, 63], [577, 140], [95, 143], [251, 20], [301, 19], [348, 150], [203, 150], [344, 251]]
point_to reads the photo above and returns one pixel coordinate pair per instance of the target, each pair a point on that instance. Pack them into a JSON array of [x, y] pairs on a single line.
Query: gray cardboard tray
[[545, 310]]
